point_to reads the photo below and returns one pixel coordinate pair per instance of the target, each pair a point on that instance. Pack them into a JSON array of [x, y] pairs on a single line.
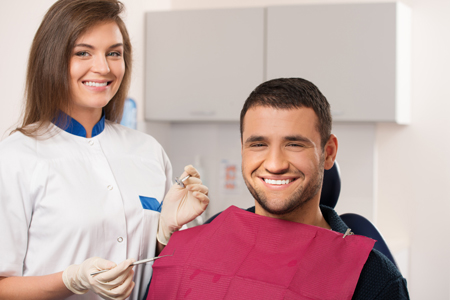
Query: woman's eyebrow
[[92, 47], [116, 45], [84, 45]]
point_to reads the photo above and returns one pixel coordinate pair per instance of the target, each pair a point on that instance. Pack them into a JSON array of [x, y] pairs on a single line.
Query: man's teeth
[[270, 181], [90, 83]]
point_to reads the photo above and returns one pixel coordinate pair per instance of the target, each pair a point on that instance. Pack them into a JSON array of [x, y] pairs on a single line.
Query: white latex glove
[[114, 284], [182, 205]]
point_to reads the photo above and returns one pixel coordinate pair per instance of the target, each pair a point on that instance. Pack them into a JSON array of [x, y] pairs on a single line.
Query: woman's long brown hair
[[47, 89]]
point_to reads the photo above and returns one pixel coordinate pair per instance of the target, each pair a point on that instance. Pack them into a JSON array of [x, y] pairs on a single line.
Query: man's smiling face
[[282, 158]]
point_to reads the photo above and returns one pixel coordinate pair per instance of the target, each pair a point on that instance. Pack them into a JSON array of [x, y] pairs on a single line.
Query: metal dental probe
[[136, 263], [181, 182]]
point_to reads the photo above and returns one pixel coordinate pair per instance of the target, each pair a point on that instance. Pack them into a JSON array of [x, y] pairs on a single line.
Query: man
[[285, 250]]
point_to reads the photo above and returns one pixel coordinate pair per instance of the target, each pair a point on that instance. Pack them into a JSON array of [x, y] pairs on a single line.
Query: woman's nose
[[100, 65]]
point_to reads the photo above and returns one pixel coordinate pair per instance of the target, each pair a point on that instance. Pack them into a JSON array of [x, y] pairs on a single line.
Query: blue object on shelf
[[129, 114]]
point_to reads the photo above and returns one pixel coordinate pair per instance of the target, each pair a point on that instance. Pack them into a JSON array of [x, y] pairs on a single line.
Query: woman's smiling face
[[97, 68]]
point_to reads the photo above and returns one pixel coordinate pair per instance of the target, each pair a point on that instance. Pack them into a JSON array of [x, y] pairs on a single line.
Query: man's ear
[[330, 152]]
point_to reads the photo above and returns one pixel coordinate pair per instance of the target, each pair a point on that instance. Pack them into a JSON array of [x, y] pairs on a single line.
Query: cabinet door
[[357, 54], [202, 64]]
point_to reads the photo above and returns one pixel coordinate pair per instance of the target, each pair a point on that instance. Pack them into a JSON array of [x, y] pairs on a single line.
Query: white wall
[[19, 21], [411, 162]]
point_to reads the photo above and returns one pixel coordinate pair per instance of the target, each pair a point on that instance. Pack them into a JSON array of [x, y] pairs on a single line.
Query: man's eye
[[257, 145], [296, 145]]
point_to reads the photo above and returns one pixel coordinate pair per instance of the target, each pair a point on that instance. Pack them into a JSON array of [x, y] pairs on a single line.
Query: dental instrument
[[135, 263], [181, 182]]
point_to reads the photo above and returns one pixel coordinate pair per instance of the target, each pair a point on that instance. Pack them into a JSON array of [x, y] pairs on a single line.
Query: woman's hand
[[182, 204], [117, 283]]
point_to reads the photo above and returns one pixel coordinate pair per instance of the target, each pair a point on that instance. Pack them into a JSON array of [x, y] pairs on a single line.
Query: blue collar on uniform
[[72, 126]]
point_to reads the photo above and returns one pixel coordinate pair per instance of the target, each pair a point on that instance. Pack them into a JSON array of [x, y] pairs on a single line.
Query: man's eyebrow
[[298, 138], [255, 138], [92, 47], [291, 138]]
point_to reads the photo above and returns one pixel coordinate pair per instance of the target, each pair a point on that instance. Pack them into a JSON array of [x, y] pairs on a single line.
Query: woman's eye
[[82, 53], [115, 54]]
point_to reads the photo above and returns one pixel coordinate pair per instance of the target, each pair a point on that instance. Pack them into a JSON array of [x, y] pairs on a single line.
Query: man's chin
[[278, 210]]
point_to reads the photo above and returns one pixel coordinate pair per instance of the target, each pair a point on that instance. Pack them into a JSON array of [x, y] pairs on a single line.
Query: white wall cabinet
[[202, 64], [357, 54]]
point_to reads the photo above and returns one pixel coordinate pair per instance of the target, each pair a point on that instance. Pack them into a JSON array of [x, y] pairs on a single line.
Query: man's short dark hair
[[291, 93]]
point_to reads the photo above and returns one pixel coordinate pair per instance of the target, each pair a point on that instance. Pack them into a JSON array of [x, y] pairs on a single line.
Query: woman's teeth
[[280, 182], [90, 83]]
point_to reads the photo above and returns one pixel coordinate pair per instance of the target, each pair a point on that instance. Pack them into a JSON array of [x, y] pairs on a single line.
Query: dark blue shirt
[[380, 278]]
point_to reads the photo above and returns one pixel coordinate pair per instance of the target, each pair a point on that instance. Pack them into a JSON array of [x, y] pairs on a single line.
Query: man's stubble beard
[[299, 198]]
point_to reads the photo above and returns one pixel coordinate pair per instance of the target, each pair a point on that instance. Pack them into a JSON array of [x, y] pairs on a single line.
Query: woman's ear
[[330, 152]]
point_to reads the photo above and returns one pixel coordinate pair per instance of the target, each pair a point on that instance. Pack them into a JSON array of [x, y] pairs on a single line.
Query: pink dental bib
[[241, 255]]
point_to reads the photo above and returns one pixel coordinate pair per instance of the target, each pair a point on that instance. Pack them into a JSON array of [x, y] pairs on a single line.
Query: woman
[[79, 192]]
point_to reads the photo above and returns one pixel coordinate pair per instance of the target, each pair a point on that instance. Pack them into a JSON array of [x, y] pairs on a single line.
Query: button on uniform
[[120, 239]]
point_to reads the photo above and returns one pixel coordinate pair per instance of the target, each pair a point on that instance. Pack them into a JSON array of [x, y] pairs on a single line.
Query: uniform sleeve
[[16, 209]]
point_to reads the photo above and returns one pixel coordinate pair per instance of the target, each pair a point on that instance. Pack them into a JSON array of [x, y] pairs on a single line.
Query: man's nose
[[276, 162]]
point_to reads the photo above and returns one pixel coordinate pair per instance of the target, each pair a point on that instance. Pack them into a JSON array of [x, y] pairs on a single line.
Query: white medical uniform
[[67, 198]]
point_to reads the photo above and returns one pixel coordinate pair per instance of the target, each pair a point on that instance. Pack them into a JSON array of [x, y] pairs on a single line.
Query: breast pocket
[[150, 203], [149, 226]]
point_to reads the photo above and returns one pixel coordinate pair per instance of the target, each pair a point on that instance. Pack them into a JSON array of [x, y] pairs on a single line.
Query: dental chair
[[359, 225], [331, 189]]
